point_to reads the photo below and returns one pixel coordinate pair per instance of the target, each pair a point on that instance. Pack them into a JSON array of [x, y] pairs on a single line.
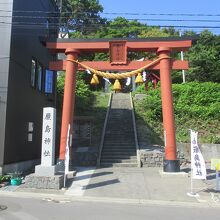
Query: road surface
[[46, 209]]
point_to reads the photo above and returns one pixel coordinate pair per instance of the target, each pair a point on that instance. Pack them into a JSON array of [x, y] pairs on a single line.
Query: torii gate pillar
[[68, 100], [171, 164]]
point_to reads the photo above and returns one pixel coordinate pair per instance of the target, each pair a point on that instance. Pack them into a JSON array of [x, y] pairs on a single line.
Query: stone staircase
[[119, 148]]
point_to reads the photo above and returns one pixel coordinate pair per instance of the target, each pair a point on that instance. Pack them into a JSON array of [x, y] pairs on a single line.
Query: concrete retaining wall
[[20, 167], [209, 151], [153, 157], [85, 156]]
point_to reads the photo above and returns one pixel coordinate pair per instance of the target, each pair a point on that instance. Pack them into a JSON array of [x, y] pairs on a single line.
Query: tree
[[82, 16], [121, 27], [83, 93], [204, 58]]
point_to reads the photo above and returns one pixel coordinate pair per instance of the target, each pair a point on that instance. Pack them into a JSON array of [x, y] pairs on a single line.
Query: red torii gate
[[118, 49]]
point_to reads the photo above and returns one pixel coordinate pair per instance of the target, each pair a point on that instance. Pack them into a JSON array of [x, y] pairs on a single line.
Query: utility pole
[[182, 58], [61, 5]]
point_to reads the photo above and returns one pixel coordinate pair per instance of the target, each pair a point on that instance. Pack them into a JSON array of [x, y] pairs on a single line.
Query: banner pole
[[66, 163], [64, 180], [191, 191], [191, 182]]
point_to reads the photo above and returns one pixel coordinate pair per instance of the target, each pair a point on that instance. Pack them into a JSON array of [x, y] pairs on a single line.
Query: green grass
[[196, 106]]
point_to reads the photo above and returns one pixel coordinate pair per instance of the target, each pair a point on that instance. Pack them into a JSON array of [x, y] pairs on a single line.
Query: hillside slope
[[196, 106]]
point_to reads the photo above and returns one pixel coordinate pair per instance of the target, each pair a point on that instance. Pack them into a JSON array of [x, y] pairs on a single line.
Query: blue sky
[[194, 7]]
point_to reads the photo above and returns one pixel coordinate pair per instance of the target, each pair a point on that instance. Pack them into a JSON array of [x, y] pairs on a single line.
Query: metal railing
[[103, 130], [135, 133]]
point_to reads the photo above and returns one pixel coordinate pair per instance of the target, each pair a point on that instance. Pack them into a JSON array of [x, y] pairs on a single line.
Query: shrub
[[196, 106], [83, 96]]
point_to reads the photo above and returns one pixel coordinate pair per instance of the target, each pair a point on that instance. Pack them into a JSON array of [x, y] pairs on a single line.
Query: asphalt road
[[46, 209]]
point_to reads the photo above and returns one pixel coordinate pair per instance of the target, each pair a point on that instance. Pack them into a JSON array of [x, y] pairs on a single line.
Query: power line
[[14, 23], [131, 19], [34, 25], [120, 13], [176, 20], [40, 25], [162, 14]]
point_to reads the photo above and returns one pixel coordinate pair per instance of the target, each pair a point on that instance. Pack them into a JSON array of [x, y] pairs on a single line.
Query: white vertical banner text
[[48, 137], [197, 161]]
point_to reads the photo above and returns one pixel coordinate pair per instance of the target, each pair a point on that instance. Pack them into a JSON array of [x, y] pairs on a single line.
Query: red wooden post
[[146, 85], [155, 83], [171, 164], [68, 99]]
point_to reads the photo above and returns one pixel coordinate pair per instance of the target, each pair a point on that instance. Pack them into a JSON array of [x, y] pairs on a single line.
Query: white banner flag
[[107, 80], [197, 161], [128, 81], [67, 153], [144, 76]]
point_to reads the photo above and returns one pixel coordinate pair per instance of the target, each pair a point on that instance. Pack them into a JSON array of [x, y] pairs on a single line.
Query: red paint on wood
[[167, 105], [118, 52], [148, 46], [68, 100], [106, 66]]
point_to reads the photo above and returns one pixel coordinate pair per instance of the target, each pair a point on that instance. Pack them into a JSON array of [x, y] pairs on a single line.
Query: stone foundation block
[[44, 182], [45, 170]]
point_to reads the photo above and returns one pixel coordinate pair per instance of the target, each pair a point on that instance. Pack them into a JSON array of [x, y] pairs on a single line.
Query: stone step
[[117, 156], [127, 153], [118, 165], [115, 121], [107, 143], [118, 121], [119, 152], [116, 145], [120, 137], [119, 133], [121, 117], [119, 128], [119, 147], [123, 137], [116, 160], [119, 143], [125, 133]]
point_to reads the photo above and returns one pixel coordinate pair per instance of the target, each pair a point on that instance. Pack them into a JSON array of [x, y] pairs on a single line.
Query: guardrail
[[135, 133], [103, 130]]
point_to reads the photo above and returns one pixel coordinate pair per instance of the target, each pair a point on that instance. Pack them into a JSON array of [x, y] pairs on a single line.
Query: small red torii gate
[[118, 49]]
